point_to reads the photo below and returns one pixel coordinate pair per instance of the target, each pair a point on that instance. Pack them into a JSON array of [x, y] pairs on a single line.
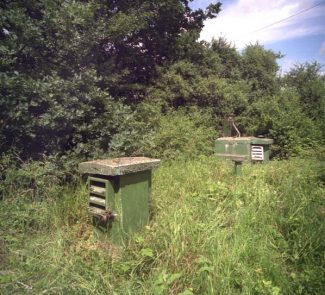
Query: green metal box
[[119, 195], [252, 148]]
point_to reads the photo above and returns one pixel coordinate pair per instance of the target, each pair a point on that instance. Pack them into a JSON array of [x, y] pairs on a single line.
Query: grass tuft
[[210, 233]]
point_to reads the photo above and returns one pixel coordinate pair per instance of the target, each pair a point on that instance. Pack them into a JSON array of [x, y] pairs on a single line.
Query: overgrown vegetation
[[96, 79], [211, 233], [88, 78]]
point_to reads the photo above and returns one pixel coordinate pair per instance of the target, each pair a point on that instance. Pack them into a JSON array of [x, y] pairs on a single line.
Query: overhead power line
[[291, 16]]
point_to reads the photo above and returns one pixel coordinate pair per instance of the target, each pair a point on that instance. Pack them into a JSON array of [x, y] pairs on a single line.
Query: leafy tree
[[310, 84], [230, 59], [183, 133], [91, 77], [281, 117], [134, 37], [259, 69], [66, 64], [210, 80]]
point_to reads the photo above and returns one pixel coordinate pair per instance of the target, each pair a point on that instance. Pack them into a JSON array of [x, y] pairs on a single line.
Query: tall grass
[[210, 233]]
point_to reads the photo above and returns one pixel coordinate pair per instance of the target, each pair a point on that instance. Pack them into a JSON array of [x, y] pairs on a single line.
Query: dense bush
[[33, 180], [70, 71], [72, 84], [182, 134], [282, 118]]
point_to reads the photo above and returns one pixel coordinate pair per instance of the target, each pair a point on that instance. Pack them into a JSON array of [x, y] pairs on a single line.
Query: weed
[[211, 233]]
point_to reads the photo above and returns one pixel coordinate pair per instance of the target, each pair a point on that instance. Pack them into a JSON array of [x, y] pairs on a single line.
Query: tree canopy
[[87, 77]]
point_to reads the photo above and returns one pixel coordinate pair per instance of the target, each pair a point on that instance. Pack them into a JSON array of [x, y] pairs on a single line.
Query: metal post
[[238, 165]]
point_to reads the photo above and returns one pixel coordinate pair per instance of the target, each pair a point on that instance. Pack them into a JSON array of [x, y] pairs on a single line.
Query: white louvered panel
[[98, 201], [97, 190], [257, 153]]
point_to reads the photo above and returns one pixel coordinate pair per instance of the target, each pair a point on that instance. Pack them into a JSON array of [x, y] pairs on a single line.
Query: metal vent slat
[[257, 153], [96, 211], [97, 195], [98, 201], [97, 190]]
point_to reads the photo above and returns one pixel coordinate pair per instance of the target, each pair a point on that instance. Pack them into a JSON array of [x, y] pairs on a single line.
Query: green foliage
[[75, 75], [309, 83], [181, 134], [59, 115], [230, 59], [95, 79], [188, 84], [32, 180], [260, 68], [281, 117], [212, 233], [62, 62]]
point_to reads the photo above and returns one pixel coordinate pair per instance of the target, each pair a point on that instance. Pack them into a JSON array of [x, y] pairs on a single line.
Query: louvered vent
[[257, 153], [97, 194]]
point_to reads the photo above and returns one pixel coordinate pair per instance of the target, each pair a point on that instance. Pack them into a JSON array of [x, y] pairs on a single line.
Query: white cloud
[[242, 22]]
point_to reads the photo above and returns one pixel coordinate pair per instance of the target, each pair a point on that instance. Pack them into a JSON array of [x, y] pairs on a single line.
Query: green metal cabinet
[[119, 195], [252, 148]]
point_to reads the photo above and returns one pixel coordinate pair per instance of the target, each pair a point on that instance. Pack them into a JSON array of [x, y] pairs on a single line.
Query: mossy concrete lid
[[118, 166], [251, 139]]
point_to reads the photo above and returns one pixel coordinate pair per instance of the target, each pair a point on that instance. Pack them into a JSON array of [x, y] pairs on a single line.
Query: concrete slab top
[[236, 138], [251, 139], [118, 166]]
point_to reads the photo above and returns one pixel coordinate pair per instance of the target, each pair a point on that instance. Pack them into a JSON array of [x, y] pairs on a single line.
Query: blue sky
[[294, 28]]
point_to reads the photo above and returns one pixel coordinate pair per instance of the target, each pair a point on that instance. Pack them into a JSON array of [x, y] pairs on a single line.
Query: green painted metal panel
[[267, 153], [135, 196], [128, 197], [228, 147], [119, 196], [237, 167], [242, 148]]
